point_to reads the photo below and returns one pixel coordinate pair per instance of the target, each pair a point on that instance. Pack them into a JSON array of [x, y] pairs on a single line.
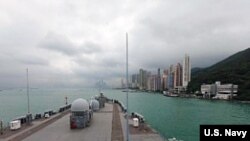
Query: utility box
[[135, 122], [14, 125]]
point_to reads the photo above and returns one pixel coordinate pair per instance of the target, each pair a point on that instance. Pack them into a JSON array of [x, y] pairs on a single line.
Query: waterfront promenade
[[108, 124]]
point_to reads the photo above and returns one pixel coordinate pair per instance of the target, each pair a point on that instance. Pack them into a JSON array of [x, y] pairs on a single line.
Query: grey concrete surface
[[108, 108], [139, 137], [99, 130], [27, 129]]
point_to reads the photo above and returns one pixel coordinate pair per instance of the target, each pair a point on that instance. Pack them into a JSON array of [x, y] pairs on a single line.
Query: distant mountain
[[234, 69], [196, 70]]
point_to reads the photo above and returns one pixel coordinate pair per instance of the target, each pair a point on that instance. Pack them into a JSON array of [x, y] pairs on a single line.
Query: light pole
[[29, 115], [127, 126], [28, 97]]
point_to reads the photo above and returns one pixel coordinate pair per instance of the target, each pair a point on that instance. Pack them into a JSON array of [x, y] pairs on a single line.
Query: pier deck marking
[[117, 133]]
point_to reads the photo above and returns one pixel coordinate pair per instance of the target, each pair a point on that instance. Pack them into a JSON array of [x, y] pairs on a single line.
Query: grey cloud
[[90, 48], [103, 59], [98, 73], [84, 61], [113, 62], [206, 30], [76, 43], [34, 61], [64, 45], [58, 43]]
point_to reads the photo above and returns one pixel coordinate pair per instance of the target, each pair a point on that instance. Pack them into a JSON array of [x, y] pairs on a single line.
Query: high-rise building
[[178, 75], [142, 79], [186, 77], [171, 68], [152, 83], [171, 77], [165, 79], [171, 81], [134, 80], [165, 72], [158, 83]]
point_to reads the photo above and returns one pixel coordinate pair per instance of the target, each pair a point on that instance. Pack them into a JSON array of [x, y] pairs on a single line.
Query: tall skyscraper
[[165, 79], [142, 79], [186, 77], [134, 80], [171, 77], [170, 80], [152, 83], [158, 87], [178, 75]]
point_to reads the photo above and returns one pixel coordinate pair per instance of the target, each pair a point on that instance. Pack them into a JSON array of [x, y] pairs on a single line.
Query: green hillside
[[234, 69]]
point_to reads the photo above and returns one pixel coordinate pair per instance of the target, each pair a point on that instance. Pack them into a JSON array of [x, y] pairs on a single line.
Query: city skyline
[[77, 43], [175, 78]]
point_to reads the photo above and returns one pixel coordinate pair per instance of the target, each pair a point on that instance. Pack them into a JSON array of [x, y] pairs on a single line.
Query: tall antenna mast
[[127, 133], [28, 91]]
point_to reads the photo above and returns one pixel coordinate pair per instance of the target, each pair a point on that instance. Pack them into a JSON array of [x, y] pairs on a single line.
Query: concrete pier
[[99, 130], [108, 124]]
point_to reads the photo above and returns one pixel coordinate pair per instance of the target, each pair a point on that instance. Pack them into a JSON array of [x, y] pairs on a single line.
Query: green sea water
[[171, 117]]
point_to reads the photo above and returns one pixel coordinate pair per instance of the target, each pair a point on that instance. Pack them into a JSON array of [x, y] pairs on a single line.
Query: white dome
[[79, 105], [94, 104]]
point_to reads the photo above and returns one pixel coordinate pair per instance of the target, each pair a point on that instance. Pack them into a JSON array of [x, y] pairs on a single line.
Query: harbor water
[[171, 117]]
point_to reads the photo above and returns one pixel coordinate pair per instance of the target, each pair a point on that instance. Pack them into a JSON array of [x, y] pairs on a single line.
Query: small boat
[[168, 94], [172, 95], [130, 91]]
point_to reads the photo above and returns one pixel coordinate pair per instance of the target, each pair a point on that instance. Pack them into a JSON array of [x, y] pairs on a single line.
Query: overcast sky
[[75, 43]]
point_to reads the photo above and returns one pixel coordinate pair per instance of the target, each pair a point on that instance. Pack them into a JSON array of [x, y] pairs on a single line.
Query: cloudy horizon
[[77, 43]]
